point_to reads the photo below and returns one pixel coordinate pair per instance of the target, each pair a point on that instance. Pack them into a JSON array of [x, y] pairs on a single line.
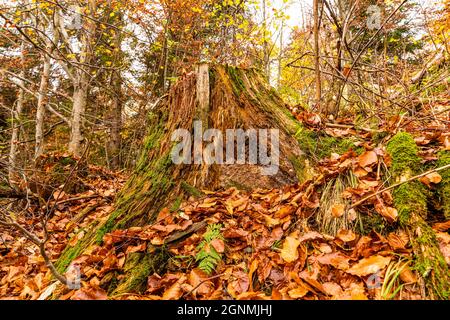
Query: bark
[[115, 124], [42, 101], [317, 53], [115, 111], [79, 106], [16, 112]]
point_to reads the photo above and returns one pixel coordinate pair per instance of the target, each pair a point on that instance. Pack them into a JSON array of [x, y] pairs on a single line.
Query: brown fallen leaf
[[332, 289], [369, 265], [430, 178], [174, 292], [346, 235], [198, 280], [335, 259], [218, 245], [397, 241], [442, 226], [289, 252], [298, 292], [407, 275], [239, 283], [89, 293], [389, 213], [284, 211], [368, 158]]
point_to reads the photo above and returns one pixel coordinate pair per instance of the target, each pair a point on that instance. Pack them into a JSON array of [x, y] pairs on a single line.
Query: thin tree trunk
[[79, 106], [13, 151], [42, 101], [265, 44], [115, 123], [280, 56], [317, 53]]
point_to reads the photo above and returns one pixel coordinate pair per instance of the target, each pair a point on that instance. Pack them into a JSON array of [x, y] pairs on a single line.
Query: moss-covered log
[[444, 187], [410, 199]]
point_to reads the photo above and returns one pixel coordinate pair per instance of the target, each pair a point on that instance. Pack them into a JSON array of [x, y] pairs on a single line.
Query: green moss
[[191, 190], [176, 204], [236, 81], [138, 266], [319, 146], [404, 204], [430, 264], [137, 269], [444, 186], [367, 223], [72, 252], [410, 199], [403, 150]]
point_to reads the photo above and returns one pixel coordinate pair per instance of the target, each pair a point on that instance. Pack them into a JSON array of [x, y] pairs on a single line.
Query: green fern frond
[[207, 257]]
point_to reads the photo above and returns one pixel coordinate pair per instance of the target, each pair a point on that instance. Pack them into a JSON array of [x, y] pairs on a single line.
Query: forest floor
[[232, 244]]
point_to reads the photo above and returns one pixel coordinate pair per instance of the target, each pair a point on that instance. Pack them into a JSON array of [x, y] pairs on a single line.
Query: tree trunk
[[42, 101], [79, 106], [221, 98], [115, 123], [16, 112], [317, 53]]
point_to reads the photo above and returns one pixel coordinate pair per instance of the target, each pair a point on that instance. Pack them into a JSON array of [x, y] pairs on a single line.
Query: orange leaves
[[346, 235], [174, 292], [238, 283], [218, 245], [389, 213], [289, 252], [89, 293], [367, 159], [369, 265], [431, 178], [338, 210]]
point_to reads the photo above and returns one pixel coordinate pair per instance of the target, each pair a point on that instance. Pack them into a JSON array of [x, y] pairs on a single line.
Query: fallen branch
[[398, 184]]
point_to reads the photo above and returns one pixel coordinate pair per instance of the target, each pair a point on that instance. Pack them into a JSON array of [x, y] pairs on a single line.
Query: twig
[[79, 198], [398, 184]]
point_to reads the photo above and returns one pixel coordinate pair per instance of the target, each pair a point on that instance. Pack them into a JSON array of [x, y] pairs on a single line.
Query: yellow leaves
[[370, 265], [289, 252]]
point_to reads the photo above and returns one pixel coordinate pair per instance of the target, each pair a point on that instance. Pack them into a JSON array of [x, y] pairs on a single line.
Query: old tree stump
[[222, 98]]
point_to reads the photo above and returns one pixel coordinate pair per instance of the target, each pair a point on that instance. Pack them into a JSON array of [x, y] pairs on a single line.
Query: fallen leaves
[[367, 159], [289, 252], [370, 265]]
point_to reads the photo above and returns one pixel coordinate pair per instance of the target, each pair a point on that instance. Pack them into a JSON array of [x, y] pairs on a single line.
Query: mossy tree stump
[[223, 98]]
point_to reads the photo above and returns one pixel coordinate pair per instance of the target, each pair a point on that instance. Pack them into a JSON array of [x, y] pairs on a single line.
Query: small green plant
[[207, 257], [391, 287]]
